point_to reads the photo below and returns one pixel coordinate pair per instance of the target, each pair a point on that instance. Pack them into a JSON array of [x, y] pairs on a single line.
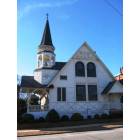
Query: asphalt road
[[115, 134]]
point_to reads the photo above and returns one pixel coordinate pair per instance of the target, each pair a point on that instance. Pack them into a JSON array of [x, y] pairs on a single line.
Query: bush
[[96, 116], [28, 118], [89, 117], [104, 116], [52, 116], [21, 109], [118, 114], [65, 118], [77, 117], [41, 119]]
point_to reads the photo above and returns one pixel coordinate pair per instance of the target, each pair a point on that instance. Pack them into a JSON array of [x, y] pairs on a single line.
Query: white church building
[[83, 84]]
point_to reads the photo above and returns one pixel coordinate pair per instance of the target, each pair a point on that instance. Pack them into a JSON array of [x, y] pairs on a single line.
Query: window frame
[[63, 77], [62, 92], [91, 73], [84, 97], [78, 72], [93, 96], [58, 94]]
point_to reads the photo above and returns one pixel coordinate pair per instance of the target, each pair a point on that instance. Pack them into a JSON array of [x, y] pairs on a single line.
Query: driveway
[[113, 134]]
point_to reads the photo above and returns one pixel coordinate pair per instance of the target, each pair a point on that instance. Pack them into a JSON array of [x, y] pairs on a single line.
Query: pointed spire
[[46, 39]]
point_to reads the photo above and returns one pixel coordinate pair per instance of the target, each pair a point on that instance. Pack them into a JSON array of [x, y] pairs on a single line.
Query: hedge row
[[53, 116]]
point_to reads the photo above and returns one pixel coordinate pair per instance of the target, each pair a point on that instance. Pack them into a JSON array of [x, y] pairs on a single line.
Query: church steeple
[[46, 55], [46, 39]]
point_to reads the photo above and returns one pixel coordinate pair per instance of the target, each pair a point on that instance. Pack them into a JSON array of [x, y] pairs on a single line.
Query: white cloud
[[28, 8]]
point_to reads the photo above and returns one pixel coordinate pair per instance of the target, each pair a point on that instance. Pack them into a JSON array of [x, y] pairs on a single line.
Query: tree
[[21, 108]]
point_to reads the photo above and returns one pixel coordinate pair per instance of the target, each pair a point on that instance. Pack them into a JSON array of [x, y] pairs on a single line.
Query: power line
[[109, 4]]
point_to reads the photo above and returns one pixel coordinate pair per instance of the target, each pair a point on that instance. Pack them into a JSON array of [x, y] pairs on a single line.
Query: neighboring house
[[83, 84], [119, 77]]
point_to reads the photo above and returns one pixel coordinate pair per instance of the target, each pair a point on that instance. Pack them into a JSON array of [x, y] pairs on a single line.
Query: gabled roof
[[84, 44], [30, 82], [87, 45], [57, 66], [46, 39]]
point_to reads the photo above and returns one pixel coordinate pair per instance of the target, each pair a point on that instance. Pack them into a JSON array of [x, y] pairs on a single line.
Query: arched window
[[91, 70], [39, 61], [79, 69]]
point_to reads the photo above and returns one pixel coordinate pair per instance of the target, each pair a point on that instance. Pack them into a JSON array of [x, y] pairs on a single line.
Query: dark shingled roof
[[46, 39], [108, 87], [29, 82], [57, 66]]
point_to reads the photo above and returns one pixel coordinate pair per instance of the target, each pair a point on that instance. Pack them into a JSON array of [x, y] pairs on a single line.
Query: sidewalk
[[69, 129]]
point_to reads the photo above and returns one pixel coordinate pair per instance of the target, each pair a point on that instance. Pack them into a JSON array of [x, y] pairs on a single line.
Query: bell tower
[[46, 55]]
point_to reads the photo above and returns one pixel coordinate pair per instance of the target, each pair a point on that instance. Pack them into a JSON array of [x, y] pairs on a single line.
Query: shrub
[[104, 116], [28, 118], [21, 109], [118, 114], [96, 116], [41, 119], [89, 117], [77, 117], [65, 118], [52, 116]]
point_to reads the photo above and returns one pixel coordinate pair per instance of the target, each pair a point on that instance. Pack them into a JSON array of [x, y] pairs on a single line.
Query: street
[[114, 134]]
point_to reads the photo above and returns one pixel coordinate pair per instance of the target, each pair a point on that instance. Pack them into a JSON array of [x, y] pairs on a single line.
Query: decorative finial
[[47, 15]]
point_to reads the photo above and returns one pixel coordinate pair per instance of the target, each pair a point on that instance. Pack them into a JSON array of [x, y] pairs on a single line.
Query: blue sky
[[99, 22]]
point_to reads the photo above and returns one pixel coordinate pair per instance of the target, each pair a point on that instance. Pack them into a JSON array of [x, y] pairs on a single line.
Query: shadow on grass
[[37, 125], [87, 127], [71, 127]]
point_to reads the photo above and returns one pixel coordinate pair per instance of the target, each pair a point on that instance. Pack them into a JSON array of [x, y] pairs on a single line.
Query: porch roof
[[113, 87], [57, 66], [108, 87], [30, 82]]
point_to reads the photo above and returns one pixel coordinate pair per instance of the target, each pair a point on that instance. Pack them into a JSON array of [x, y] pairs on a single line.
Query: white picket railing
[[37, 108]]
